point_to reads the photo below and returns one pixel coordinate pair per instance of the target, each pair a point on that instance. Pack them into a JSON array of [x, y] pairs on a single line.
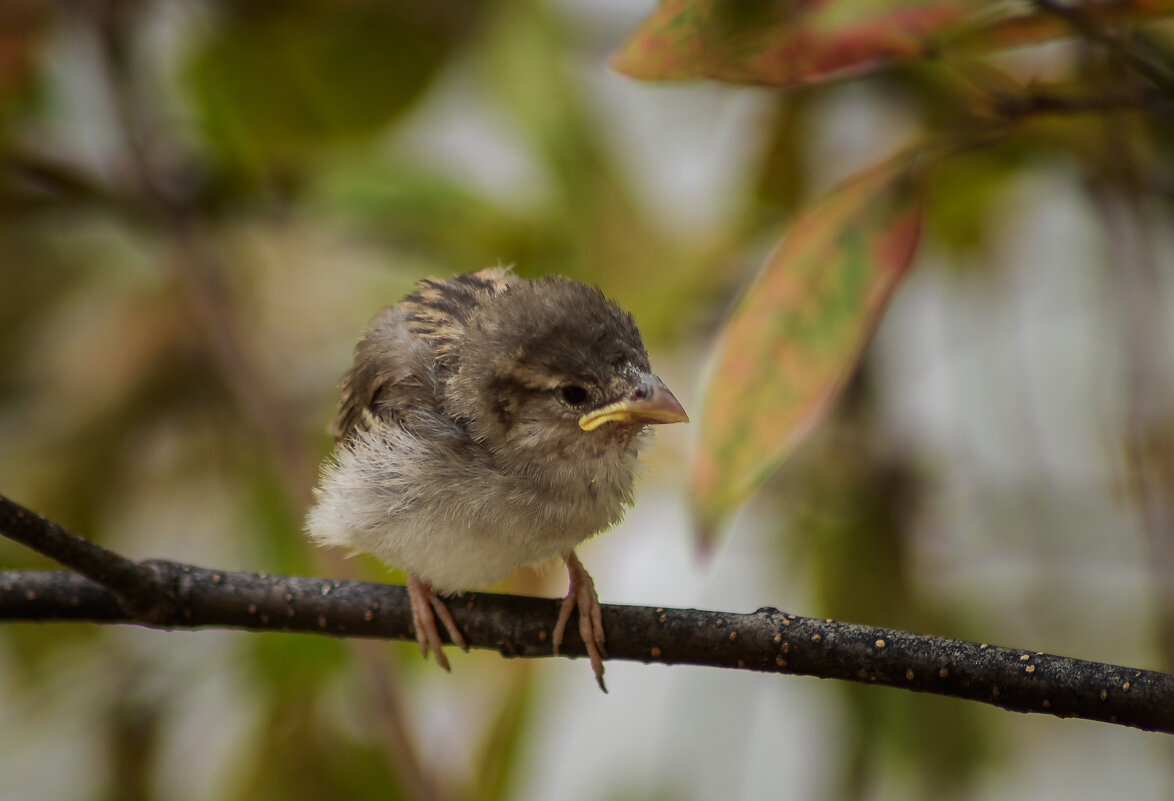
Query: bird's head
[[553, 369]]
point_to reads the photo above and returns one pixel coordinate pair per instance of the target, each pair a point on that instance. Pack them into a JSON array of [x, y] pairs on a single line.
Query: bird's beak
[[650, 402]]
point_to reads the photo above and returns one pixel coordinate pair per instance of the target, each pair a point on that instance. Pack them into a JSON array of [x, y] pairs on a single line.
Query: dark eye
[[573, 394]]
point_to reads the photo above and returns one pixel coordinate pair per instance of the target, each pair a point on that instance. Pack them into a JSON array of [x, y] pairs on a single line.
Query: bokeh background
[[201, 205]]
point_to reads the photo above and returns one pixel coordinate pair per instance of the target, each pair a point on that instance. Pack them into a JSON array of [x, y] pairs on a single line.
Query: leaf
[[799, 331], [23, 26], [271, 88], [788, 42]]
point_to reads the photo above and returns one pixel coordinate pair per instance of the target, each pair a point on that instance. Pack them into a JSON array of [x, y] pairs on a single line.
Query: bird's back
[[410, 348]]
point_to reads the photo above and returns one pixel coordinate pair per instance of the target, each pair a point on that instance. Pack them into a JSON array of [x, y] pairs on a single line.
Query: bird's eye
[[573, 394]]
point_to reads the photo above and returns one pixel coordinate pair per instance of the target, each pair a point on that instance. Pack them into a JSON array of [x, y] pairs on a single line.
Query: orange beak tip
[[654, 405]]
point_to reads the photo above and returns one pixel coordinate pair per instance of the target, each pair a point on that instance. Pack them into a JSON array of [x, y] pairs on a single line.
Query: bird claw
[[582, 596], [426, 607]]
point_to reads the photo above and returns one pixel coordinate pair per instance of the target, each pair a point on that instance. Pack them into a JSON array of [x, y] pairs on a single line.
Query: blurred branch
[[515, 626], [28, 178], [1119, 189], [1033, 103], [160, 193], [1089, 28]]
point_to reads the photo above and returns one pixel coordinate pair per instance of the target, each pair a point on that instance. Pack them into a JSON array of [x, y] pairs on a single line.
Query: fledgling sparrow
[[489, 422]]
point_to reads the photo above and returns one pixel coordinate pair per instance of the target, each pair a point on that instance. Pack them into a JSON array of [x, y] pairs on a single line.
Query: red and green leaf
[[799, 331], [789, 42], [23, 24]]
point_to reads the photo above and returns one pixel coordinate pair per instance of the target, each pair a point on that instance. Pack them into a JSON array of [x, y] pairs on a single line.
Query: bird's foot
[[582, 596], [426, 607]]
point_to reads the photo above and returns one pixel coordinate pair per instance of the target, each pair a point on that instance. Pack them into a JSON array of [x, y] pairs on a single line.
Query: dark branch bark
[[1037, 103], [183, 596], [515, 626], [133, 584]]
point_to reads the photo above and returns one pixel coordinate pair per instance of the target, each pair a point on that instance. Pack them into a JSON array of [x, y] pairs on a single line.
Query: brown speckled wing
[[409, 348], [439, 310]]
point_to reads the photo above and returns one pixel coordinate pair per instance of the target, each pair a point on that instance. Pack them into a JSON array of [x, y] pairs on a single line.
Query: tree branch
[[134, 586], [767, 640], [1036, 103], [1087, 26]]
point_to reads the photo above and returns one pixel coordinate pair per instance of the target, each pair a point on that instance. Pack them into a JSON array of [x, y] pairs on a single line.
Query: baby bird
[[489, 422]]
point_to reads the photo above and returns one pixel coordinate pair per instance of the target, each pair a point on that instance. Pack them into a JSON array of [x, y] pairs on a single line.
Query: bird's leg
[[582, 595], [424, 604]]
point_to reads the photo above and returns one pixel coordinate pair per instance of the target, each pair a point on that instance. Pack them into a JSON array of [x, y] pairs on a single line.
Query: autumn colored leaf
[[22, 27], [787, 42], [798, 333]]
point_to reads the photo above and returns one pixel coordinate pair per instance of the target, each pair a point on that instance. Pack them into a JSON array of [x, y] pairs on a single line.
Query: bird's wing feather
[[439, 310], [393, 374], [409, 348]]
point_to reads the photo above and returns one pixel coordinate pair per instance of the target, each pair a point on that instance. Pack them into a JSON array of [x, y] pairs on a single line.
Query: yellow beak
[[650, 403]]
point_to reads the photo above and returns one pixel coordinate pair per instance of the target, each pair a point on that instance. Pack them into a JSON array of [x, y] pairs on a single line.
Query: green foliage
[[276, 84]]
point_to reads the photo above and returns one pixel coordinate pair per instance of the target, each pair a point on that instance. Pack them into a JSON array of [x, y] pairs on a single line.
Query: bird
[[490, 422]]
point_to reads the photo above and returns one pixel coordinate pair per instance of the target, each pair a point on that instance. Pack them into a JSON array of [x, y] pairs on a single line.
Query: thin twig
[[135, 586], [1036, 103], [1088, 28]]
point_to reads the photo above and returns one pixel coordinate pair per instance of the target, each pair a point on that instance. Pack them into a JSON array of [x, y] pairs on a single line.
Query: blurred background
[[201, 205]]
